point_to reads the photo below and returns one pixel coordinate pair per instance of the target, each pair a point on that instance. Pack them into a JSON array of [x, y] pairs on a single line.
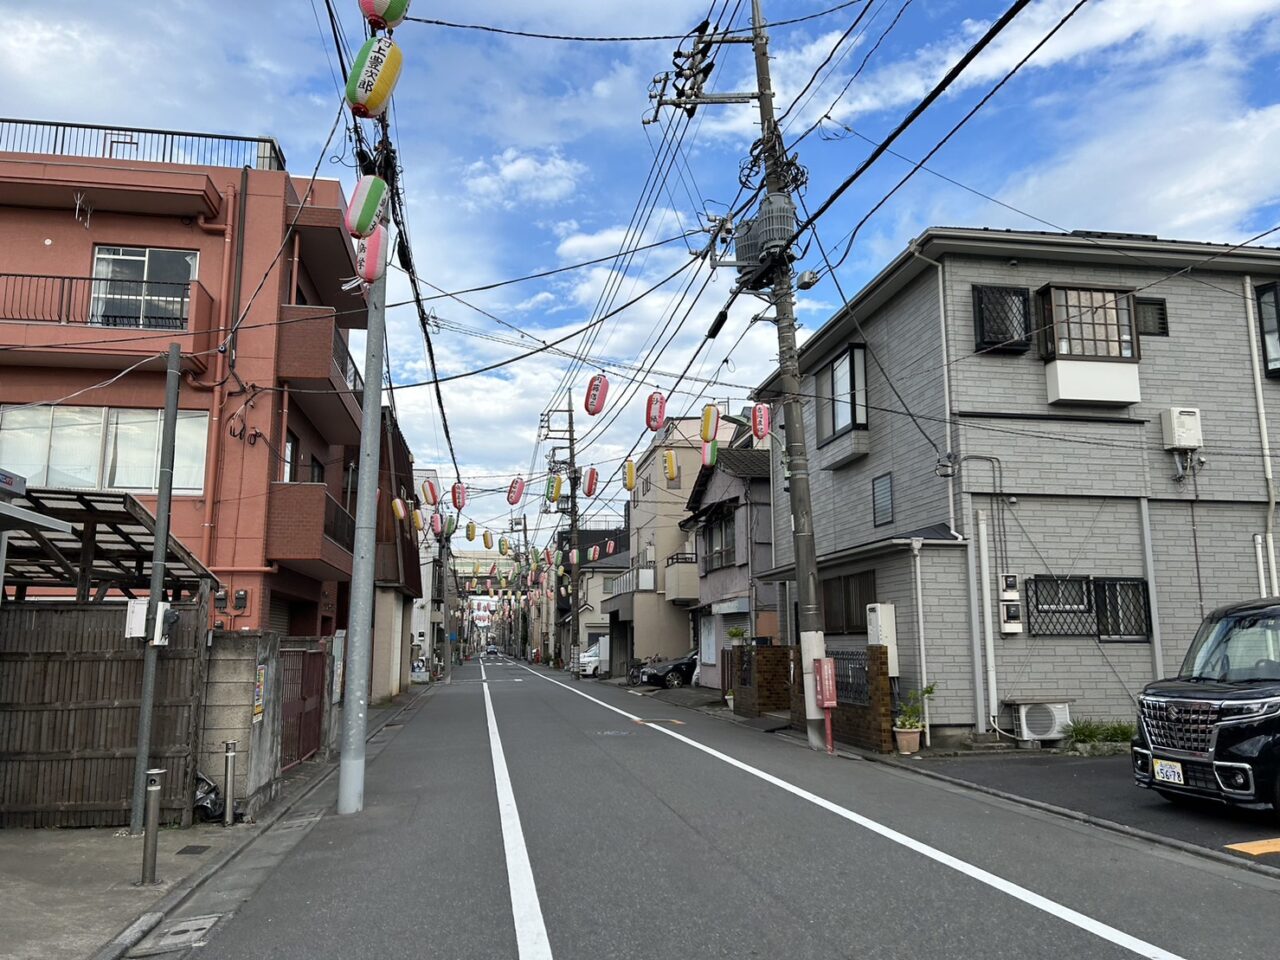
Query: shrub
[[1085, 730]]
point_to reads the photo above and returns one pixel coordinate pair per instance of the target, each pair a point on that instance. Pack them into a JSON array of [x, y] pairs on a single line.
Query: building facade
[[1046, 453]]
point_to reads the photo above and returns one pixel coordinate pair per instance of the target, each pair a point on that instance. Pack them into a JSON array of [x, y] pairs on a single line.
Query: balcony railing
[[635, 579], [347, 366], [139, 143], [682, 558], [339, 526], [140, 304]]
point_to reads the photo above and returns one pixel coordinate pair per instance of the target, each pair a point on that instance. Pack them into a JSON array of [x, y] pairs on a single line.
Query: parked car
[[671, 673], [589, 661], [1213, 731]]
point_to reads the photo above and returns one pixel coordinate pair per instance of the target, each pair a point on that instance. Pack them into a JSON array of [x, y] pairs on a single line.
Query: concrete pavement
[[647, 837]]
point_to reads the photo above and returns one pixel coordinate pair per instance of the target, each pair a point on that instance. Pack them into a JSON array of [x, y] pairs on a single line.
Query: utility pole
[[575, 568], [446, 559], [159, 554], [526, 617], [775, 264], [355, 713]]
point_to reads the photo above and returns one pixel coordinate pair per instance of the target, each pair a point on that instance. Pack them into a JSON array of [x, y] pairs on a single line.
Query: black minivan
[[1213, 731]]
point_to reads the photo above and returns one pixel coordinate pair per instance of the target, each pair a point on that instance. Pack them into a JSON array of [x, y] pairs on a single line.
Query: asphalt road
[[600, 829]]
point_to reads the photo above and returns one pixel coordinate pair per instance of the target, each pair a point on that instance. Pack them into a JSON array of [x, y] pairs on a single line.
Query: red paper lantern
[[591, 481], [459, 496], [437, 524], [515, 492], [760, 421], [655, 411], [597, 390]]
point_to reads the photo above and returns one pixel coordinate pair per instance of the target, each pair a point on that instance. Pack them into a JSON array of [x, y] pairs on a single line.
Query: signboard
[[339, 659], [260, 693], [824, 680], [11, 484]]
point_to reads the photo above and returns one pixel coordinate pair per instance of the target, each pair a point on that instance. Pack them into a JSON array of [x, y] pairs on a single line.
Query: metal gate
[[303, 713]]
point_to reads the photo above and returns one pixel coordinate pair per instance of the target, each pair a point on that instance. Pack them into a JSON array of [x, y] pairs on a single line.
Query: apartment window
[[645, 485], [317, 473], [719, 540], [289, 471], [99, 448], [1088, 324], [1001, 319], [842, 393], [1269, 320], [844, 602], [882, 499], [606, 585], [142, 286], [1153, 316], [1110, 609]]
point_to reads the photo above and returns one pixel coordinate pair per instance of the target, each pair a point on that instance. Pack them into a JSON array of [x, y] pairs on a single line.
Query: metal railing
[[347, 366], [339, 526], [682, 558], [851, 677], [636, 579], [139, 143], [146, 304]]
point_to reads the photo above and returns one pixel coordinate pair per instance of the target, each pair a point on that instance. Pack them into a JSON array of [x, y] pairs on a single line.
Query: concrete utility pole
[[525, 618], [159, 554], [355, 712], [575, 571], [812, 642], [446, 560]]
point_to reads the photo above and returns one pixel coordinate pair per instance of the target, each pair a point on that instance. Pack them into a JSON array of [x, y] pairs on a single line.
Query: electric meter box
[[882, 630], [1181, 428]]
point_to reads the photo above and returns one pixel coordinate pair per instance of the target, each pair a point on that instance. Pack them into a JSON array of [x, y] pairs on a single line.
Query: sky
[[526, 155]]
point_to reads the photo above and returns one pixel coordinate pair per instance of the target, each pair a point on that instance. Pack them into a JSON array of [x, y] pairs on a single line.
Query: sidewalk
[[65, 893]]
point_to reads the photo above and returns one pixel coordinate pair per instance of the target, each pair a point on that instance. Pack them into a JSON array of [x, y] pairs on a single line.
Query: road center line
[[1096, 927], [526, 910]]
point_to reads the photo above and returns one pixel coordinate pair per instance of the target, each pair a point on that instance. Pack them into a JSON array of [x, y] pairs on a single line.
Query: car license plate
[[1167, 771]]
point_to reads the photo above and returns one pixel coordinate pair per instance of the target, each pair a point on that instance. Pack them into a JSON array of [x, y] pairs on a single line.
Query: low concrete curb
[[154, 915]]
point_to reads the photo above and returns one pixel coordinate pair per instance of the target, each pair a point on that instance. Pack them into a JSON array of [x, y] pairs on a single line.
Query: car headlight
[[1250, 709]]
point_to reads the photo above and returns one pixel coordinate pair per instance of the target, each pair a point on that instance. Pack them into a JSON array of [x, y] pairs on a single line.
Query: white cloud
[[541, 299], [512, 177]]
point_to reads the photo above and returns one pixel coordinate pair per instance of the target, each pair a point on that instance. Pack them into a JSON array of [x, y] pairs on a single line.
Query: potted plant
[[910, 721]]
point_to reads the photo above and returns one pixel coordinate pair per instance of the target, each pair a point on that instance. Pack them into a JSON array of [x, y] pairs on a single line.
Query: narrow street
[[641, 830]]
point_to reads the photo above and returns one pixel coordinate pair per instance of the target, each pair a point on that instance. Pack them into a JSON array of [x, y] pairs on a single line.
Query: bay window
[[1081, 323]]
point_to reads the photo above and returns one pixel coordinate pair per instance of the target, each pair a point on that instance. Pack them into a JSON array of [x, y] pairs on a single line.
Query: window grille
[[1001, 319]]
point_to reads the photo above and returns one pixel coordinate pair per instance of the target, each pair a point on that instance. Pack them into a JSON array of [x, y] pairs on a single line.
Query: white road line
[[1096, 927], [526, 910]]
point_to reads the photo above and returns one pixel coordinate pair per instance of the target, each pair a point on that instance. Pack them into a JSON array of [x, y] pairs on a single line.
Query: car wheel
[[674, 679]]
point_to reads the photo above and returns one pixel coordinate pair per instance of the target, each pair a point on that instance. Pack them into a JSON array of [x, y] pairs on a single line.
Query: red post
[[824, 684]]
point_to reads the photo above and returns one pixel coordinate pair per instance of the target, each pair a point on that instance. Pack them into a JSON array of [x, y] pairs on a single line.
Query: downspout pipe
[[975, 635], [947, 412], [1263, 433], [1149, 565], [1261, 564], [916, 543], [988, 628]]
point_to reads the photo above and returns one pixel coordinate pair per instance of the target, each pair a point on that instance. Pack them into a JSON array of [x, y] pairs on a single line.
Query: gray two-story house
[[731, 531], [1049, 453]]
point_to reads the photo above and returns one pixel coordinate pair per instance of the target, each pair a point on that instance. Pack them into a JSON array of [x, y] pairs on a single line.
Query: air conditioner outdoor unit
[[1043, 721]]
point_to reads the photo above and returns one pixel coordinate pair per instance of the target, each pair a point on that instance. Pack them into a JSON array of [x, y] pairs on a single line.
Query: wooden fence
[[70, 685]]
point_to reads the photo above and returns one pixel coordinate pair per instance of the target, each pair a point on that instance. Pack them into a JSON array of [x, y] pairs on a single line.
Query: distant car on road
[[491, 650], [589, 662], [671, 673]]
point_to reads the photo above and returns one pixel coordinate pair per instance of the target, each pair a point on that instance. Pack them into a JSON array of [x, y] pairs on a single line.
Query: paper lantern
[[655, 411], [554, 483], [559, 556], [594, 553], [418, 522], [610, 547], [471, 530], [488, 540], [373, 77], [437, 524], [430, 495], [573, 557], [451, 524], [710, 453], [503, 545], [399, 508], [629, 474], [493, 569], [459, 495], [515, 492], [760, 421], [546, 555], [564, 592], [371, 255], [597, 390], [368, 206], [670, 467], [710, 422], [385, 14], [591, 481]]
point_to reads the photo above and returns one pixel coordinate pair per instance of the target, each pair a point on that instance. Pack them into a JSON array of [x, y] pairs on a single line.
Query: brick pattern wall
[[770, 687], [869, 727]]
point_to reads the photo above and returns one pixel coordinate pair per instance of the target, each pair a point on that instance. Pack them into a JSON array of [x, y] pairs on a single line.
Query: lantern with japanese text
[[371, 255], [471, 530], [373, 77], [488, 540], [655, 411], [451, 524], [629, 474], [515, 492], [760, 421], [597, 390], [385, 14], [418, 522], [368, 206], [710, 422], [546, 555], [710, 453], [609, 547], [430, 495], [399, 508], [504, 545], [437, 524], [670, 467], [554, 483], [573, 557], [594, 553], [559, 557], [591, 481], [459, 495]]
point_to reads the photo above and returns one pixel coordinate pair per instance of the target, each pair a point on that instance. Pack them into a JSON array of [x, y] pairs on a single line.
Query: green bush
[[1085, 730]]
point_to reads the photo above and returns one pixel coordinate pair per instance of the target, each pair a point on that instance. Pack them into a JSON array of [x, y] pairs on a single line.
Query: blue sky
[[523, 155]]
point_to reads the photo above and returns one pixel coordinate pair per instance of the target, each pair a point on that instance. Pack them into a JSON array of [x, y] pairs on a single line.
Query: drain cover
[[298, 824], [176, 935], [192, 849]]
